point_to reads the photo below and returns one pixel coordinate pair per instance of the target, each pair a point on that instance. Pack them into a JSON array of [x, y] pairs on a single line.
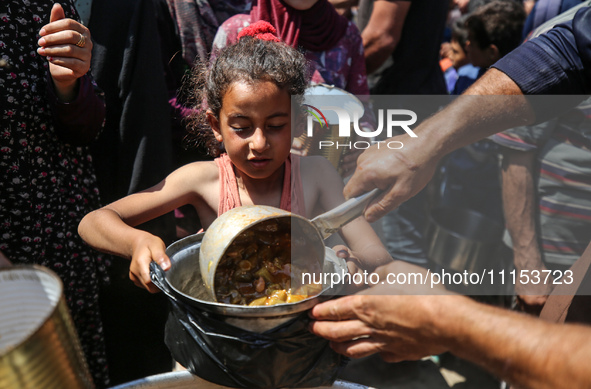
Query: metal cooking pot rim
[[194, 241], [60, 285], [436, 222]]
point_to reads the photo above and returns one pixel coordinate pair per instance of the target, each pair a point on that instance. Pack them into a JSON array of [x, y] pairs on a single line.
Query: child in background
[[471, 174], [494, 30], [467, 73], [248, 92]]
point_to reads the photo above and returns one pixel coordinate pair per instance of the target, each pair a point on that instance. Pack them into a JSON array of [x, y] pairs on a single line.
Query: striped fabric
[[563, 182]]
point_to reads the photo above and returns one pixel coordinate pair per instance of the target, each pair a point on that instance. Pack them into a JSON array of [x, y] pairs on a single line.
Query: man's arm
[[383, 31], [518, 348], [519, 204], [554, 63], [492, 104]]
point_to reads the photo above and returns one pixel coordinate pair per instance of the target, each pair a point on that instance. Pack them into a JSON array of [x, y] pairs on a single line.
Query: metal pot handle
[[159, 280], [330, 222]]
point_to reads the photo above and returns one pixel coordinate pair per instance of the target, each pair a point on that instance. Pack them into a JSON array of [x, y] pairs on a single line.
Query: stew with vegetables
[[257, 270]]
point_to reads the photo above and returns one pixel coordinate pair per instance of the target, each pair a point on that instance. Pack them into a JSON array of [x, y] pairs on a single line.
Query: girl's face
[[457, 55], [255, 127]]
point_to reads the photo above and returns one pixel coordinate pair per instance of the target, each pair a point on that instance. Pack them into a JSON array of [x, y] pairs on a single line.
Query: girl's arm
[[110, 229], [360, 237]]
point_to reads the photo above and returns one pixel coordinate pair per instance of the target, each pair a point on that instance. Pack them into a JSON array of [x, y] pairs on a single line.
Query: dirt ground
[[440, 372]]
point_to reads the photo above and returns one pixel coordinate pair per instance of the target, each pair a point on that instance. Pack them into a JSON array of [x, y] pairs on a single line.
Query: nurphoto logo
[[340, 127]]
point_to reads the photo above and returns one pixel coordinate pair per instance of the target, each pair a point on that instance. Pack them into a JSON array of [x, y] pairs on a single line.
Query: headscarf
[[316, 29]]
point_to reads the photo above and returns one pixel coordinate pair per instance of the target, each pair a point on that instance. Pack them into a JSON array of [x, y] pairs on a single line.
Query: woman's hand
[[68, 47], [4, 262], [146, 249]]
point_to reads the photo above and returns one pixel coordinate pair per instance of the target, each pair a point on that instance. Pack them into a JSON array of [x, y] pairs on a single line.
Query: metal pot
[[186, 380], [185, 278], [39, 347], [460, 239], [310, 233]]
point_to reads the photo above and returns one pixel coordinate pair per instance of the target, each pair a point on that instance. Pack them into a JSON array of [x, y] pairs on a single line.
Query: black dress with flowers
[[46, 185]]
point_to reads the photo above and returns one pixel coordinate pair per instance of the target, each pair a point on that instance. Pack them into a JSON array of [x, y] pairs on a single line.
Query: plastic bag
[[285, 356]]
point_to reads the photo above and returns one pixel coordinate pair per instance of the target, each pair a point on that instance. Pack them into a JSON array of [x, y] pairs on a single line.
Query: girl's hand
[[145, 250], [353, 265], [68, 47]]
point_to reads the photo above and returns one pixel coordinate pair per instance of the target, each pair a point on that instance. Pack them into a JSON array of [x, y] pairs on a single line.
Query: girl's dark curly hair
[[249, 60]]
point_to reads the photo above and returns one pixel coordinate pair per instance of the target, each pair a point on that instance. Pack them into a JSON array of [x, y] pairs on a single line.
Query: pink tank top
[[292, 195]]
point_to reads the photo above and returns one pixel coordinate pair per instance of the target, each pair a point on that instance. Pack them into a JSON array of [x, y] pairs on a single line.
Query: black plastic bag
[[285, 356]]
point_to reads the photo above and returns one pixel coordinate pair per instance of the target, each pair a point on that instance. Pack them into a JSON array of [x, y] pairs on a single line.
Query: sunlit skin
[[254, 125], [301, 5], [256, 132]]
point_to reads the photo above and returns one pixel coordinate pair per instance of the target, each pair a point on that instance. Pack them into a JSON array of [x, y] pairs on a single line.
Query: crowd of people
[[128, 124]]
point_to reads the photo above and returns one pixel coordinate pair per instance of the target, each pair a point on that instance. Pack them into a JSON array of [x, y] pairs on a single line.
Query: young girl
[[248, 91]]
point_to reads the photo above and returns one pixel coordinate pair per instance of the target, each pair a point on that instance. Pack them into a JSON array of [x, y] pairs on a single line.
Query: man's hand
[[68, 47], [532, 297], [393, 320], [397, 327], [401, 174]]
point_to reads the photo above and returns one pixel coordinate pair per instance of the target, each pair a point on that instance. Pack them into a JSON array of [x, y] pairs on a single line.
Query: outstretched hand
[[396, 321], [400, 173], [397, 327], [68, 47]]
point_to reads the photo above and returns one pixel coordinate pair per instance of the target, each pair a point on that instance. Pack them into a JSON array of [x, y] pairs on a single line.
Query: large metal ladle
[[225, 229]]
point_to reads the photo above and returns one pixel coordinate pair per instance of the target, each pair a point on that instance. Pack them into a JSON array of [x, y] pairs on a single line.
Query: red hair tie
[[261, 30]]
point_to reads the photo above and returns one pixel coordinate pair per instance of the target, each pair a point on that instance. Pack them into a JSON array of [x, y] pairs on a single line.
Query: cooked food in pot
[[257, 270]]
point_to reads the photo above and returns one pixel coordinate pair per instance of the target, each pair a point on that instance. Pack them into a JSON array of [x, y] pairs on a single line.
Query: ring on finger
[[81, 42]]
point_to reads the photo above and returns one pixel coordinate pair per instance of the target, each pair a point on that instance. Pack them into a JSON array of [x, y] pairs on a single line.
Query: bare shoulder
[[316, 165], [196, 176], [316, 168], [323, 185], [202, 169]]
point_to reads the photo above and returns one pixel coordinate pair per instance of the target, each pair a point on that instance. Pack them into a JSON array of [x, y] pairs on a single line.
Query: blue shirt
[[467, 74], [558, 62]]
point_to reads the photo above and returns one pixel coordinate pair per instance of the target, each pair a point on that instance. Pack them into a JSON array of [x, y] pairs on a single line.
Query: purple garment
[[81, 120], [198, 20], [342, 66]]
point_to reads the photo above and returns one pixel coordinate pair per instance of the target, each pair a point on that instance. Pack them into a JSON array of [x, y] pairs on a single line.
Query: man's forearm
[[493, 104], [525, 351], [519, 204]]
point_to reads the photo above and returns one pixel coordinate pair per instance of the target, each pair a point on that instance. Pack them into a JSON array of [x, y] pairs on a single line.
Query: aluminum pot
[[184, 278], [460, 239], [309, 233], [186, 380], [39, 347]]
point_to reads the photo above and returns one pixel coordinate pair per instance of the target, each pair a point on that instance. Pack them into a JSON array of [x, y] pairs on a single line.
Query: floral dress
[[46, 185]]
